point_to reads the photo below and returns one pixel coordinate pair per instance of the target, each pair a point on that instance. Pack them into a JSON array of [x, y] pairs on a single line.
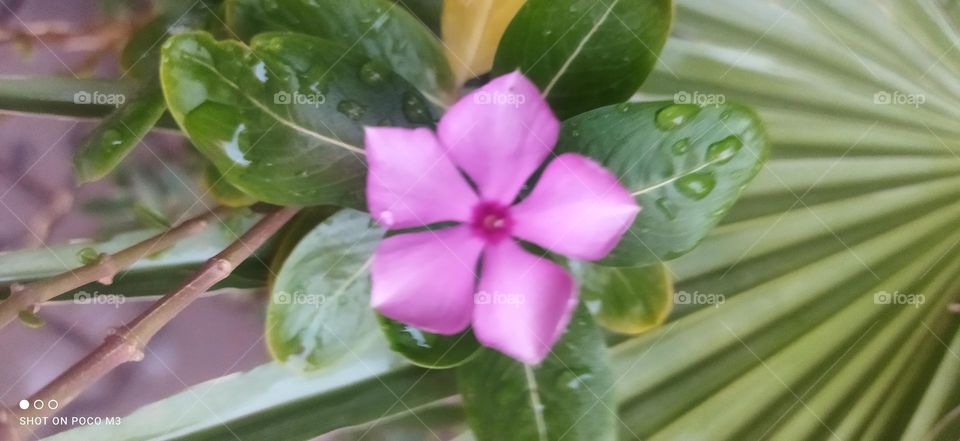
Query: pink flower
[[443, 280]]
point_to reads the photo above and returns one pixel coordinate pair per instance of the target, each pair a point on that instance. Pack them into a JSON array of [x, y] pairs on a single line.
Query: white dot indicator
[[24, 404]]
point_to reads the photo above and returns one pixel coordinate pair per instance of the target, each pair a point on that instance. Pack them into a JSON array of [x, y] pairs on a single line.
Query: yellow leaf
[[471, 32]]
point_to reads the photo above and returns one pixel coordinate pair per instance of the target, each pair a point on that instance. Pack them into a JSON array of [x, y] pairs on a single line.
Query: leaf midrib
[[576, 52], [535, 403], [674, 178]]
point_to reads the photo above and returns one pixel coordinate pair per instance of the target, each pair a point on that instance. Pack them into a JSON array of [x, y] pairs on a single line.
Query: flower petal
[[411, 182], [499, 134], [427, 279], [524, 302], [577, 208]]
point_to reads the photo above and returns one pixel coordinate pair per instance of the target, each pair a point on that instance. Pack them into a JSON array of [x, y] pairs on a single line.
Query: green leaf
[[117, 135], [222, 191], [628, 300], [427, 349], [377, 29], [568, 396], [299, 227], [140, 57], [120, 132], [686, 166], [319, 311], [584, 54], [283, 119], [859, 198], [427, 11], [271, 403]]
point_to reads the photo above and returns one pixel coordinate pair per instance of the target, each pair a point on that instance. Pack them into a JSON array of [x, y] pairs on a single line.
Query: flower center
[[491, 220]]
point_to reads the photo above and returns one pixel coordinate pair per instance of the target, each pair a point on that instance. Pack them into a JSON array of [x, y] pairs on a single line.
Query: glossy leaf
[[319, 309], [299, 227], [866, 201], [427, 349], [628, 300], [118, 134], [283, 120], [686, 166], [584, 54], [568, 396], [427, 11], [376, 29], [140, 57], [249, 404], [471, 32], [221, 190]]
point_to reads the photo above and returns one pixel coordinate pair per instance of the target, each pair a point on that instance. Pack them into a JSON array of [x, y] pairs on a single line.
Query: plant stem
[[31, 295], [127, 343]]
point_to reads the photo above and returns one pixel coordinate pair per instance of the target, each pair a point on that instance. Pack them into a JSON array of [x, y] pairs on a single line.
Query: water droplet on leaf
[[696, 185], [352, 109], [676, 115], [415, 109], [113, 138], [680, 147], [666, 207], [723, 151], [372, 73]]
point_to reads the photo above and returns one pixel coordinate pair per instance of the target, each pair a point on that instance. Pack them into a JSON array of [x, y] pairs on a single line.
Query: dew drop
[[415, 110], [372, 73], [696, 185], [667, 208], [680, 147], [723, 151], [675, 115], [352, 109], [113, 138]]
